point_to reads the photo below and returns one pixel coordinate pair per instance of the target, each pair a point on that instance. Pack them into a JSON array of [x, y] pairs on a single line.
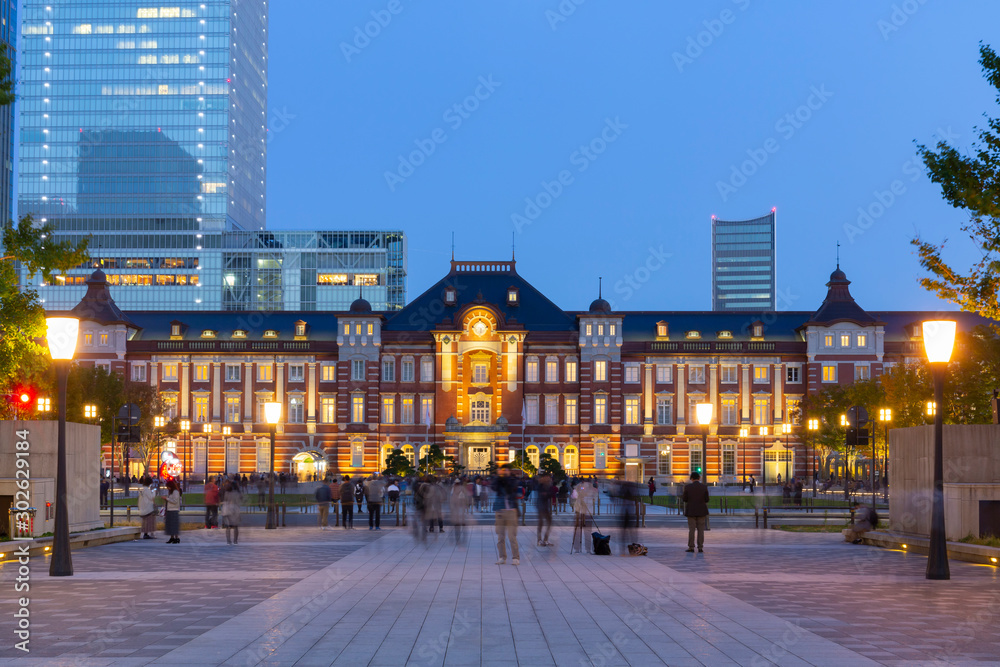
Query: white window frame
[[632, 372], [761, 373], [531, 369], [862, 372], [138, 372], [663, 462], [729, 418], [796, 370], [570, 371], [389, 370], [265, 372], [296, 409], [531, 410], [664, 410], [198, 367], [570, 412], [328, 409], [232, 417], [601, 409], [600, 370], [761, 411], [427, 369], [407, 372], [730, 374], [359, 369], [328, 373], [696, 374], [234, 372], [832, 373], [551, 369], [296, 372], [551, 409], [388, 409], [633, 411], [664, 373], [358, 408], [407, 409]]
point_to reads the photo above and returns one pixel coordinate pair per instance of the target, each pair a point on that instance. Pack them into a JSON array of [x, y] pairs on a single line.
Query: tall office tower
[[144, 125], [8, 41], [743, 262]]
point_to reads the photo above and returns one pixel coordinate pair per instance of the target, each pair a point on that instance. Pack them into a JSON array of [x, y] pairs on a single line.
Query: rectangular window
[[406, 370], [296, 372], [552, 370], [427, 369], [631, 372], [569, 407], [328, 409], [480, 373], [828, 340], [531, 410], [600, 455], [388, 370], [531, 370], [201, 409], [328, 373], [664, 373], [664, 411], [697, 458], [232, 372], [632, 411], [760, 374], [611, 329], [793, 374], [232, 409], [600, 371], [600, 329], [551, 409], [761, 411], [570, 370], [296, 410], [139, 373], [479, 409], [793, 410], [600, 409], [406, 412], [829, 373], [357, 454], [88, 339], [728, 412], [170, 407], [357, 369], [201, 372], [729, 459], [263, 455], [663, 459], [388, 409], [426, 410], [728, 374], [862, 372], [371, 328], [265, 373], [696, 375], [589, 329], [862, 340], [104, 339], [357, 408], [845, 340]]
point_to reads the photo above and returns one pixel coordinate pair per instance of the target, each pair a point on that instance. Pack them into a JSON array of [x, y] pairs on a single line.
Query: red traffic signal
[[24, 398]]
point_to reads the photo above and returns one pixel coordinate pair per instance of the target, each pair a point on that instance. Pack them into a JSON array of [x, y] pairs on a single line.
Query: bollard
[[128, 512], [756, 518], [852, 516], [336, 511], [284, 509], [404, 513], [397, 513], [765, 517]]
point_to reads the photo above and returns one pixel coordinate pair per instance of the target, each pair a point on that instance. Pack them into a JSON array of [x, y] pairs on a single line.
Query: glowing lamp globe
[[939, 339], [272, 412], [61, 334], [704, 412]]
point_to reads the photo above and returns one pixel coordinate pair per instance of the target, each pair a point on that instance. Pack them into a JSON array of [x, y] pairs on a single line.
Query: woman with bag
[[173, 513], [231, 502], [147, 509]]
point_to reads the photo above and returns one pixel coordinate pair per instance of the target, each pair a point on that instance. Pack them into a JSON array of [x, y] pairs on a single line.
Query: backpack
[[873, 516], [636, 549], [602, 544]]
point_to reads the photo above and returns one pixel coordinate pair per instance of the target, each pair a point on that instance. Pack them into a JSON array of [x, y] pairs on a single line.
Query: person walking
[[323, 498], [105, 485], [374, 492], [753, 484], [232, 501], [173, 512], [335, 497], [392, 491], [147, 509], [544, 506], [652, 489], [458, 506], [696, 510], [797, 490], [582, 497], [347, 503], [359, 493], [505, 511], [433, 504], [211, 504]]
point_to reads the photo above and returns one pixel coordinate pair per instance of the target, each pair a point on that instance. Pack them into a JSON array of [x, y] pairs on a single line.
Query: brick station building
[[483, 364]]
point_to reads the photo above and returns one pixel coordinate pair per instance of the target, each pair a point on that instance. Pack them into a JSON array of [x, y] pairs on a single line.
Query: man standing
[[505, 510], [696, 510], [347, 502], [543, 502], [335, 497], [323, 498], [211, 504], [374, 491]]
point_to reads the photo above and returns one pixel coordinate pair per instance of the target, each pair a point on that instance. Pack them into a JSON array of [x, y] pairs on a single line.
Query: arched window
[[571, 461], [552, 451], [663, 459], [423, 452], [408, 453], [357, 454], [533, 455], [386, 453]]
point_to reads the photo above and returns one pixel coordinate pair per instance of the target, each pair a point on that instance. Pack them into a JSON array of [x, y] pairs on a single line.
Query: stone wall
[[82, 467], [971, 473]]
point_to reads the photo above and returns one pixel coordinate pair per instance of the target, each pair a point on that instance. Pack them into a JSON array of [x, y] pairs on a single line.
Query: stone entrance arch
[[309, 466]]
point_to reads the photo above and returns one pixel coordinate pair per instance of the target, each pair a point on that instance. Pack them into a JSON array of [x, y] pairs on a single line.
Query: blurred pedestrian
[[323, 497], [582, 496], [172, 515], [347, 503], [543, 503], [211, 504], [147, 509], [652, 489], [374, 493], [696, 510], [232, 501], [359, 493], [505, 511], [392, 492], [797, 491], [458, 506]]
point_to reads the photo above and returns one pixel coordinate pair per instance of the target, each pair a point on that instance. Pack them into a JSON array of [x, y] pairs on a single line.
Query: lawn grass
[[198, 499], [988, 541], [813, 529], [749, 502]]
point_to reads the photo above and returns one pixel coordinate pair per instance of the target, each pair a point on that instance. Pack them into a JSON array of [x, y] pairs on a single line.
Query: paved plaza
[[299, 596]]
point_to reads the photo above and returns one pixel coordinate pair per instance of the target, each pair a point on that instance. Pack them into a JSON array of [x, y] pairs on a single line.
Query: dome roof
[[361, 306], [600, 306], [838, 275]]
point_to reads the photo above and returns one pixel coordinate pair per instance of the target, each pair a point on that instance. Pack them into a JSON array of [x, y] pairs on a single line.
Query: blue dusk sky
[[603, 136]]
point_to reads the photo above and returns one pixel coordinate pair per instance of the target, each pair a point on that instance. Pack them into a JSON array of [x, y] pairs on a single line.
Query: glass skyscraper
[[743, 261], [144, 125], [8, 38]]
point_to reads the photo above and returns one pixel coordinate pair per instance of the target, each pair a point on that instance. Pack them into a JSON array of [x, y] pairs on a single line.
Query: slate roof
[[839, 305], [97, 304], [156, 324]]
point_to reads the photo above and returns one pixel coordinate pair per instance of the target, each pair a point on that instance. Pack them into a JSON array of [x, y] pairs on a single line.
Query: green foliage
[[6, 78], [970, 182], [397, 464], [552, 466], [522, 462], [434, 459]]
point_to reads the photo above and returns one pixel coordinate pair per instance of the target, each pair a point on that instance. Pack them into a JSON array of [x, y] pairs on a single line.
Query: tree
[[547, 463], [434, 459], [397, 464], [522, 462], [970, 182], [6, 80], [22, 318]]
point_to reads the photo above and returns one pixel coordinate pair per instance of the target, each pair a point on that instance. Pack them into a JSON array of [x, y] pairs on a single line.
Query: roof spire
[[838, 254], [453, 246], [599, 286], [513, 246]]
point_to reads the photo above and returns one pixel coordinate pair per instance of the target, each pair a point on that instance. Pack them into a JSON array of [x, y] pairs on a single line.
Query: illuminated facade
[[8, 39], [743, 264], [484, 365]]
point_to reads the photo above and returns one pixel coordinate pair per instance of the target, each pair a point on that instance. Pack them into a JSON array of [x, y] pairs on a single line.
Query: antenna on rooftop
[[453, 246], [513, 245], [599, 286], [838, 254]]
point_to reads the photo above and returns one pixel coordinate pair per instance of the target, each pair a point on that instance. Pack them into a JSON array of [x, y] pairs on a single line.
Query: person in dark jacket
[[696, 510], [347, 502], [323, 498]]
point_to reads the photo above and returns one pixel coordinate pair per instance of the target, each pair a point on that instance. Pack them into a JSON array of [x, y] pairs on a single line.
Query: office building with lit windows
[[8, 40], [743, 261]]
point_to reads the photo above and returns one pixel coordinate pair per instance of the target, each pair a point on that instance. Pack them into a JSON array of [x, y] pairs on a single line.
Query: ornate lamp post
[[785, 430], [185, 428], [813, 425], [939, 339], [272, 414], [159, 421], [703, 411], [762, 431], [744, 433], [61, 334], [207, 430]]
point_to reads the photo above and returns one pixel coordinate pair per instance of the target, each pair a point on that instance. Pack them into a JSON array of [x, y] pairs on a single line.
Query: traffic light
[[125, 432]]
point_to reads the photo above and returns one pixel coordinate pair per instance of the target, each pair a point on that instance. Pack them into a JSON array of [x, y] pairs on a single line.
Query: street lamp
[[207, 430], [884, 416], [703, 411], [813, 426], [939, 339], [272, 414], [90, 411], [159, 421], [762, 431], [931, 408], [61, 334], [744, 432], [185, 427], [785, 429]]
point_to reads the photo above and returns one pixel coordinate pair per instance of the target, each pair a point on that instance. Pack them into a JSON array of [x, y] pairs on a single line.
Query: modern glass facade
[[743, 265], [144, 125], [8, 37]]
